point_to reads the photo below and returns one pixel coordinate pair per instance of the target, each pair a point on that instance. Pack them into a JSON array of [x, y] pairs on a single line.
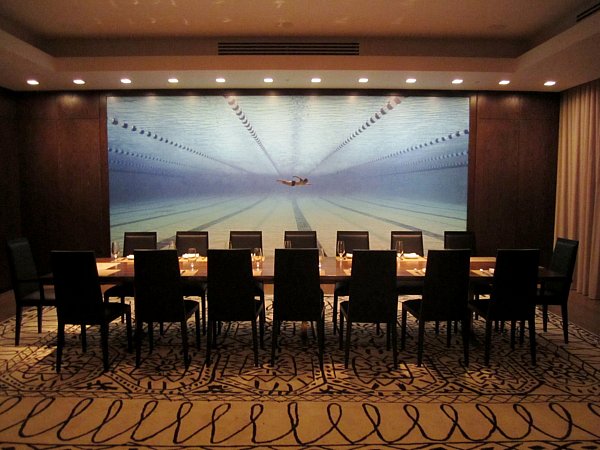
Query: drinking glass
[[340, 248], [399, 249], [114, 249], [192, 257], [287, 244], [257, 256], [321, 256]]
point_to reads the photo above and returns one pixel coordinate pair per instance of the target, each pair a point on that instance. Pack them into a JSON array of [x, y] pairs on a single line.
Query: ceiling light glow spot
[[125, 81], [315, 80], [33, 82], [173, 80], [457, 81], [503, 82], [268, 80], [549, 83], [220, 80], [363, 80], [78, 81], [411, 80]]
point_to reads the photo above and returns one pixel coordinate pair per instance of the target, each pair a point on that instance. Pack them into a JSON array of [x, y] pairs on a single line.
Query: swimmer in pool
[[298, 181]]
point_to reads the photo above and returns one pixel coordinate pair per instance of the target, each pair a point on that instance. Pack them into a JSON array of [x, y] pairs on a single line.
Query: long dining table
[[333, 269]]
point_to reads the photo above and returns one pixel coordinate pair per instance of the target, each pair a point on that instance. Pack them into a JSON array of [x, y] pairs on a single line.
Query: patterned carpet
[[232, 404]]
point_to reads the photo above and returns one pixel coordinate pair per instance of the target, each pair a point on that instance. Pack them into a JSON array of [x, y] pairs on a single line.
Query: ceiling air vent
[[588, 12], [289, 48]]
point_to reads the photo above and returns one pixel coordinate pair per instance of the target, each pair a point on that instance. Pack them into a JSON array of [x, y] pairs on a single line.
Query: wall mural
[[288, 162]]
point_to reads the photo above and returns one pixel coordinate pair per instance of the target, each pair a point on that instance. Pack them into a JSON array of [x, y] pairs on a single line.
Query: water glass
[[399, 249], [114, 249], [287, 244], [257, 256], [191, 256], [340, 249]]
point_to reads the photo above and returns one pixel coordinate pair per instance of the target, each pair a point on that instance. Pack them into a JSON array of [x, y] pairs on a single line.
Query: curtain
[[578, 182]]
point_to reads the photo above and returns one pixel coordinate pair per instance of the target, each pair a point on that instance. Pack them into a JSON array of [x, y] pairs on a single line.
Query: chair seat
[[409, 287], [120, 290], [482, 307]]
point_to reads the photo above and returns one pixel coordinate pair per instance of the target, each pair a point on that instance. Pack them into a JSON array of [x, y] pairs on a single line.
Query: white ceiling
[[435, 41]]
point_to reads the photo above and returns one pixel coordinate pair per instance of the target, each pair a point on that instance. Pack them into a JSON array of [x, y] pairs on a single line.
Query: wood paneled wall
[[64, 170]]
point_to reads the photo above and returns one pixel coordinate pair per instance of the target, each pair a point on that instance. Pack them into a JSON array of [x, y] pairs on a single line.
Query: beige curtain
[[578, 182]]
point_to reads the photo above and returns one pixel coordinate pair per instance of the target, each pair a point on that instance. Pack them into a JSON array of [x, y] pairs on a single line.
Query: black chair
[[27, 287], [159, 298], [133, 240], [231, 295], [353, 240], [556, 292], [79, 300], [250, 240], [373, 296], [513, 295], [297, 295], [413, 243], [457, 240], [245, 239], [412, 240], [184, 240], [301, 239], [445, 297]]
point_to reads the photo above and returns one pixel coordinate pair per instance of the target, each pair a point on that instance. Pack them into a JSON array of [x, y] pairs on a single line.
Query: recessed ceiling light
[[549, 83], [173, 80], [315, 80], [33, 82], [363, 80], [78, 81], [220, 80], [411, 80], [504, 82], [268, 80], [457, 81], [125, 81]]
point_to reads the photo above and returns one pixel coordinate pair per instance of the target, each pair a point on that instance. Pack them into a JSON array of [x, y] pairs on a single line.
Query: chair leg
[[122, 303], [321, 340], [139, 330], [348, 336], [261, 325], [128, 324], [488, 341], [403, 330], [40, 312], [341, 336], [104, 341], [545, 318], [512, 334], [394, 332], [184, 343], [210, 331], [465, 325], [60, 343], [335, 312], [532, 339], [274, 331], [565, 321], [19, 319], [150, 336], [198, 330], [83, 338], [421, 338], [203, 305], [448, 333], [255, 342]]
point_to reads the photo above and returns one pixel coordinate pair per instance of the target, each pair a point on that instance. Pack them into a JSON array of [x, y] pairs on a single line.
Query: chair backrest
[[413, 241], [138, 240], [77, 288], [301, 239], [373, 296], [446, 285], [231, 287], [514, 284], [185, 240], [23, 271], [157, 284], [296, 290], [354, 240], [245, 239], [456, 240], [563, 261]]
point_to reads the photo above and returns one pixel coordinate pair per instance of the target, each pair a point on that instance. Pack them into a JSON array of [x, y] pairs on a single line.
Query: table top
[[332, 270]]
